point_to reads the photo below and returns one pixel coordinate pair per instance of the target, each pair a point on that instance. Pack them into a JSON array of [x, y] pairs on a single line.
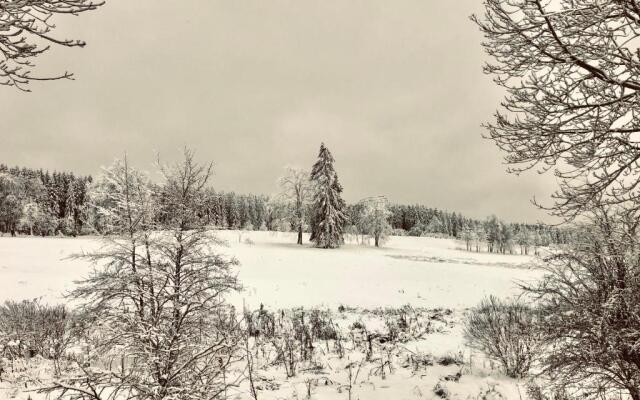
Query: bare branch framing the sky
[[27, 31], [572, 72]]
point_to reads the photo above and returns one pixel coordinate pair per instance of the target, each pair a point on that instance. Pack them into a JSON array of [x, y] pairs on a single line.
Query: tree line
[[43, 203], [39, 202], [491, 234]]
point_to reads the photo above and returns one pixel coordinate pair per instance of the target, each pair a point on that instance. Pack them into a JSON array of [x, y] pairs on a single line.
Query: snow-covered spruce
[[328, 209]]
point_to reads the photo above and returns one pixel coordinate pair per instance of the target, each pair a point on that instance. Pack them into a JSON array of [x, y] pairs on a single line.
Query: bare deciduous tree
[[26, 32], [572, 72], [296, 191], [375, 218], [155, 304], [590, 303]]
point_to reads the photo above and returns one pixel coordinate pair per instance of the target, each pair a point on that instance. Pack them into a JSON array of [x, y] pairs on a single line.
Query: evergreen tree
[[328, 210]]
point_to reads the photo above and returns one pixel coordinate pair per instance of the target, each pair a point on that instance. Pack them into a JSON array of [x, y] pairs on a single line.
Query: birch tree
[[295, 189]]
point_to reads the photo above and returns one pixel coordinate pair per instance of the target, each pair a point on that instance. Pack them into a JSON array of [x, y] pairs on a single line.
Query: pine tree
[[329, 210]]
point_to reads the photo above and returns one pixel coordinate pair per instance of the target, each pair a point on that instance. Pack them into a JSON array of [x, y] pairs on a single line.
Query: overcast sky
[[394, 88]]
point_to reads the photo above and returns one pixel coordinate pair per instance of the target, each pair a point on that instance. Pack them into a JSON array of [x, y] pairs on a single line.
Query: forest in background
[[47, 203]]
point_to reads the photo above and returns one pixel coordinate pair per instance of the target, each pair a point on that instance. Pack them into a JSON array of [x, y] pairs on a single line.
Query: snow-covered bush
[[321, 325], [441, 390], [505, 331], [30, 328], [590, 301], [451, 359], [260, 322], [536, 392]]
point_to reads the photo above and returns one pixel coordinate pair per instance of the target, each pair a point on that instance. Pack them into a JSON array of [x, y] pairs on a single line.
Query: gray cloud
[[395, 89]]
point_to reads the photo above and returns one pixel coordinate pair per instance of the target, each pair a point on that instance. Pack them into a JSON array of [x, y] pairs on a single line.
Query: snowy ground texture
[[423, 272], [434, 277]]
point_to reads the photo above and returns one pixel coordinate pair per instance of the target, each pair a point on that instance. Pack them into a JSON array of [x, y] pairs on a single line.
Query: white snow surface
[[420, 271]]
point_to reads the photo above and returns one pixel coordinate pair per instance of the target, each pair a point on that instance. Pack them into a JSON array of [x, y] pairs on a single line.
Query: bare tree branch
[[25, 33]]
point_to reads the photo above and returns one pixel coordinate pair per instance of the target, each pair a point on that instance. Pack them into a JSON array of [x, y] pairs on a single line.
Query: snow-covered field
[[420, 271], [424, 273]]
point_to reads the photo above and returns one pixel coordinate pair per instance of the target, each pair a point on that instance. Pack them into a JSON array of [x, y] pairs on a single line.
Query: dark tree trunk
[[300, 234], [377, 239]]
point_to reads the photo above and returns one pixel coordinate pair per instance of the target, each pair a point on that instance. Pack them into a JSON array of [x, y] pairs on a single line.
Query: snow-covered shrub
[[451, 359], [345, 307], [287, 347], [302, 332], [505, 331], [321, 325], [292, 332], [441, 390], [358, 325], [453, 377], [29, 328], [418, 360], [260, 322], [394, 329], [590, 301], [407, 323], [537, 392]]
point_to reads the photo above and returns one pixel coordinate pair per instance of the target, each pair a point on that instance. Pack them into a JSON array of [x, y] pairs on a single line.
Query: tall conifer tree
[[328, 212]]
